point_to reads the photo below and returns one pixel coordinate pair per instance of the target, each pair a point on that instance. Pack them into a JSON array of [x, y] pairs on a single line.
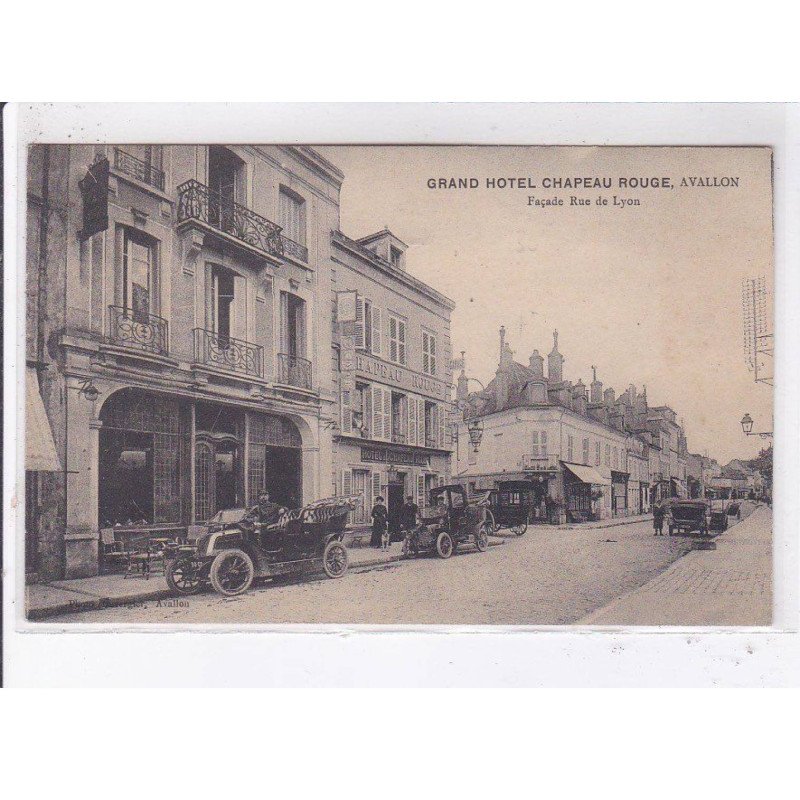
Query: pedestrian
[[408, 520], [379, 522], [658, 519]]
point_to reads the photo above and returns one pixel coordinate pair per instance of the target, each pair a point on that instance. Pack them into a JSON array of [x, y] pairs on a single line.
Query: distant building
[[578, 453]]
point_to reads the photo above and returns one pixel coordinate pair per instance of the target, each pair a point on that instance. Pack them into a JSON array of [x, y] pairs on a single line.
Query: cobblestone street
[[548, 576]]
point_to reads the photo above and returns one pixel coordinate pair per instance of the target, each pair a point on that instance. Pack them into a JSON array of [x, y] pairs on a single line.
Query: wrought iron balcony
[[131, 165], [228, 353], [294, 249], [138, 330], [198, 203], [294, 371]]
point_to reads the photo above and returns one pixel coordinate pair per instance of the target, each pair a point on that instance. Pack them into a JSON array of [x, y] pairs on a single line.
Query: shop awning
[[40, 449], [587, 474]]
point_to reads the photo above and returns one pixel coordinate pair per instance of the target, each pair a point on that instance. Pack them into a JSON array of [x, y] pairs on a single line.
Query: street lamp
[[747, 428], [475, 430]]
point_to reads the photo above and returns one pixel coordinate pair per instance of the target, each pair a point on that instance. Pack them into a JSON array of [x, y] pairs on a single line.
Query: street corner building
[[567, 452], [183, 347]]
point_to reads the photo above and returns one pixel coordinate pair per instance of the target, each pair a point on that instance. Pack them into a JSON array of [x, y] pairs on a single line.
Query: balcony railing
[[294, 249], [198, 202], [294, 371], [138, 330], [228, 353], [136, 168]]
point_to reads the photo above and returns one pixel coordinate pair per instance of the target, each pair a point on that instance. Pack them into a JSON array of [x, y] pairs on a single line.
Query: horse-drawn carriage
[[509, 506], [235, 548]]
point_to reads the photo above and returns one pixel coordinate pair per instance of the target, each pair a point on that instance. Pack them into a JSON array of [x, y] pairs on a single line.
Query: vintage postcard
[[398, 384]]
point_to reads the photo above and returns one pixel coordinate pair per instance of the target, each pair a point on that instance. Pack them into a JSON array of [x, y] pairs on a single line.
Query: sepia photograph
[[398, 385]]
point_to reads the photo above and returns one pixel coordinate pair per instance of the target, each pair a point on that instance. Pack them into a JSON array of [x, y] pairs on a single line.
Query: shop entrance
[[396, 497]]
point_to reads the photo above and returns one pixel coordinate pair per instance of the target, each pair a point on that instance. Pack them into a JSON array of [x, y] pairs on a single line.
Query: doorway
[[395, 499]]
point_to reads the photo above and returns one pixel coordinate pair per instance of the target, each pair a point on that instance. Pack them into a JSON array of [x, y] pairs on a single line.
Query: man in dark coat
[[658, 519], [379, 521]]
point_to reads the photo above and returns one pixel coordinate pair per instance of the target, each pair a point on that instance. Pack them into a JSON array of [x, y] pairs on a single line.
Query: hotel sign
[[393, 455], [400, 377]]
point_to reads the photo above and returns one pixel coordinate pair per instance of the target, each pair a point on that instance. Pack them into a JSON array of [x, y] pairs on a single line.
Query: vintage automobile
[[509, 506], [688, 516], [235, 548], [459, 522]]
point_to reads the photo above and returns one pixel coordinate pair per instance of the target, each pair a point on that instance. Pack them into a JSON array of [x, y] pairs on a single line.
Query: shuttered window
[[428, 353], [292, 214], [381, 413], [397, 340]]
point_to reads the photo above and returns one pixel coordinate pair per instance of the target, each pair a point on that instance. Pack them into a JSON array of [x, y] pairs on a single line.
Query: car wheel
[[183, 577], [444, 545], [232, 572], [335, 559], [520, 528], [482, 538]]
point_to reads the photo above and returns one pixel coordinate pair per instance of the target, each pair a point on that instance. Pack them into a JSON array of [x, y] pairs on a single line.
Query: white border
[[365, 655]]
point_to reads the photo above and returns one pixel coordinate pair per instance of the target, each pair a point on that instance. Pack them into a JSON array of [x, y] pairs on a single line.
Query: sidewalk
[[104, 591], [604, 523], [729, 585]]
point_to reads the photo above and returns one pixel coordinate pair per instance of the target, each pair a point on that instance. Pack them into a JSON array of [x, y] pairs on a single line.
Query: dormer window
[[396, 257]]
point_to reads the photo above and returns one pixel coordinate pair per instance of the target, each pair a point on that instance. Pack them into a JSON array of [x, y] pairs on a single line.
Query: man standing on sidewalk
[[408, 520], [658, 519]]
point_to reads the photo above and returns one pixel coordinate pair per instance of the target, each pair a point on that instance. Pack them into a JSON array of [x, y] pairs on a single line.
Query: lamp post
[[475, 430], [747, 428]]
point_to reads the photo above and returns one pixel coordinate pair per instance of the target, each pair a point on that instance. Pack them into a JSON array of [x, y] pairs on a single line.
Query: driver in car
[[266, 512]]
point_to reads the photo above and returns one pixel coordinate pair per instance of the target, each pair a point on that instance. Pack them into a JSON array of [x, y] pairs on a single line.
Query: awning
[[587, 474], [40, 450]]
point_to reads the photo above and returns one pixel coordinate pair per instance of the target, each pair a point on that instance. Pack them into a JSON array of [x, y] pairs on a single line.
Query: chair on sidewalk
[[146, 557]]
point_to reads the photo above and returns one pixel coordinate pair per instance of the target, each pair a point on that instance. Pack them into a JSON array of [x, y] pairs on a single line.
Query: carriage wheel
[[520, 527], [335, 559], [232, 572], [183, 576], [444, 545], [482, 537], [493, 526]]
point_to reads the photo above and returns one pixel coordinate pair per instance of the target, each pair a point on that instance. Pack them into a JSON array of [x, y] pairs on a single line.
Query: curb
[[97, 603], [610, 524]]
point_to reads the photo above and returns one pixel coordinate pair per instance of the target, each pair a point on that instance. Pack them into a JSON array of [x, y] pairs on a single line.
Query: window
[[539, 447], [428, 353], [431, 424], [399, 418], [615, 461], [292, 215], [586, 452], [608, 455], [397, 340], [223, 294], [139, 293], [226, 184], [597, 454], [293, 325], [368, 326], [396, 257], [570, 448]]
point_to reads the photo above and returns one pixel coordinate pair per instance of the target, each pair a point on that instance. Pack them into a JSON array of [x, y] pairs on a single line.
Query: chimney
[[596, 389], [580, 397], [555, 362], [536, 363], [608, 396], [502, 377]]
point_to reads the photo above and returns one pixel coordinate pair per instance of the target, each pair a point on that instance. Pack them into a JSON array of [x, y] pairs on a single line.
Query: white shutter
[[425, 357], [368, 422], [401, 342], [347, 482], [376, 331], [421, 422], [422, 501], [412, 419], [375, 490], [387, 415], [239, 308], [442, 419], [347, 412], [377, 412], [359, 334], [393, 339]]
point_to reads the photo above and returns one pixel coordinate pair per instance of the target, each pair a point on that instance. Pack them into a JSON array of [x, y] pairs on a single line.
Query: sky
[[649, 294]]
